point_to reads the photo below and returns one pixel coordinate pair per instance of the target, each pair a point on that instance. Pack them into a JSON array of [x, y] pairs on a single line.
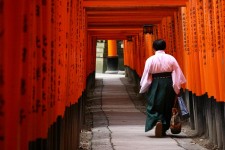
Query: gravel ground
[[94, 101]]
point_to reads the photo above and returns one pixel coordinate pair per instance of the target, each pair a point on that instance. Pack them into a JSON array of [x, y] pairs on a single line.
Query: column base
[[112, 65], [111, 72]]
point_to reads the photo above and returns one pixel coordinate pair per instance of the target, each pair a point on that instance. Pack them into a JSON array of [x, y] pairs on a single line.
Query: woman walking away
[[161, 81]]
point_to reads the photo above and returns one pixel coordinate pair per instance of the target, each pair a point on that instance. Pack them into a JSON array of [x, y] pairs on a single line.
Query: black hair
[[159, 44]]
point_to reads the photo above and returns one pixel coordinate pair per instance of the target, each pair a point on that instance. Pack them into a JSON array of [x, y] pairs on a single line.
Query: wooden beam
[[115, 26], [114, 32], [111, 36], [127, 9], [127, 16], [116, 19], [125, 24], [118, 30], [131, 13], [133, 3], [104, 19]]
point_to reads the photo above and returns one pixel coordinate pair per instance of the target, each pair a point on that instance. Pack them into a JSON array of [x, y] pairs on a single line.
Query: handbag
[[179, 112], [184, 113], [175, 122]]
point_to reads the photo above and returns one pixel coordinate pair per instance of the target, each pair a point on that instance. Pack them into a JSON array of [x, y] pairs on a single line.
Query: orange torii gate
[[48, 50], [43, 73]]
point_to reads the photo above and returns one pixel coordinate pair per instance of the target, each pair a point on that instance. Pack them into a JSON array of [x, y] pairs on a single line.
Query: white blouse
[[159, 63]]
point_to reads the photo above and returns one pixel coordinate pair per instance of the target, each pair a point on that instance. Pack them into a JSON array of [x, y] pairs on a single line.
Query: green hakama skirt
[[160, 100]]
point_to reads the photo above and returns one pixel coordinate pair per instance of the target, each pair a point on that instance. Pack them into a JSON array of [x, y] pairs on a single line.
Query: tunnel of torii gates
[[48, 54]]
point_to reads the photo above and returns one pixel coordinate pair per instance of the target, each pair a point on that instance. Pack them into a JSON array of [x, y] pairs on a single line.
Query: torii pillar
[[112, 59]]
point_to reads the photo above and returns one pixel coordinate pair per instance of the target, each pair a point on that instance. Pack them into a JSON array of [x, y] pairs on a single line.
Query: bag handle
[[175, 101]]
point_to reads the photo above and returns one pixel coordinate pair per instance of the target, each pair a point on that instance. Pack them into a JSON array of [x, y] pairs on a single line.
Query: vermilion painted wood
[[221, 53], [73, 39], [46, 56], [131, 11], [39, 74], [112, 48], [117, 30], [13, 46], [26, 94], [60, 57], [2, 107], [117, 14], [133, 3], [47, 43], [121, 20]]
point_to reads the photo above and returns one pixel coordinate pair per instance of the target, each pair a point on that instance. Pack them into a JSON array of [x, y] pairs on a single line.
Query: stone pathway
[[119, 120]]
